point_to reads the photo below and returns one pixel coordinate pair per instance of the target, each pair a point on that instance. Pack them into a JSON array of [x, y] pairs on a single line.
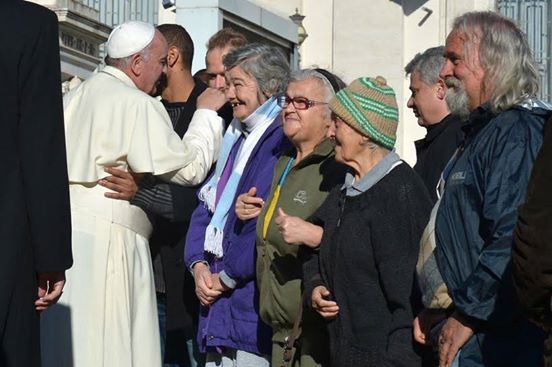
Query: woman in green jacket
[[302, 180]]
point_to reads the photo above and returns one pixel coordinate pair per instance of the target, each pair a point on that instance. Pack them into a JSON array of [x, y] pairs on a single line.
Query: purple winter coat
[[233, 320]]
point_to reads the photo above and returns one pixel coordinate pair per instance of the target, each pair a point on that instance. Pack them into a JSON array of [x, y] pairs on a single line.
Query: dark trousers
[[20, 341], [178, 347]]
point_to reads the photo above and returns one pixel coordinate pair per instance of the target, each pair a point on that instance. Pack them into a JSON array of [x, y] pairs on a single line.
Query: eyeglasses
[[300, 103]]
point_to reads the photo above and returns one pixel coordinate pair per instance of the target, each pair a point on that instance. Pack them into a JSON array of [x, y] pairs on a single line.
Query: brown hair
[[226, 37]]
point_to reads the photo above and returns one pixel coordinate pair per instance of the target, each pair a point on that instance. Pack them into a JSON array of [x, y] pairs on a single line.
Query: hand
[[217, 284], [204, 285], [424, 322], [454, 334], [122, 182], [327, 309], [211, 99], [297, 231], [249, 206], [50, 286]]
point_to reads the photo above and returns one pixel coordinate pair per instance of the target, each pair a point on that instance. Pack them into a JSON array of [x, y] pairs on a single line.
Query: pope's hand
[[211, 99]]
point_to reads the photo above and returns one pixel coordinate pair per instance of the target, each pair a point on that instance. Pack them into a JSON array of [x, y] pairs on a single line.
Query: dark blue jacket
[[484, 186], [233, 320]]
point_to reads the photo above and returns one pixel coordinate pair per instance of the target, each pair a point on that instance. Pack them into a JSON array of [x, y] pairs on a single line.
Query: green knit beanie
[[370, 107]]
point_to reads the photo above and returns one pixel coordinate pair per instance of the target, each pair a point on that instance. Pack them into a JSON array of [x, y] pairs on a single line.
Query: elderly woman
[[302, 180], [220, 248], [369, 232]]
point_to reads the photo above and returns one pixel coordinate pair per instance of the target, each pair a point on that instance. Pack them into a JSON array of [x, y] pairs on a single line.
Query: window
[[533, 17], [114, 12]]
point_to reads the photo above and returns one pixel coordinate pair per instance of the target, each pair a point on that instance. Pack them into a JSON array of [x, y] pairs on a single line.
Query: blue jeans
[[191, 356]]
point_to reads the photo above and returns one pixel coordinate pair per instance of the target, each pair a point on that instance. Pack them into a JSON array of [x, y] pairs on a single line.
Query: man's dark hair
[[177, 36], [226, 37]]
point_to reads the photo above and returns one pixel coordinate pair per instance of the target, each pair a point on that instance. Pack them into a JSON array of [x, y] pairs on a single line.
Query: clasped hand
[[208, 286]]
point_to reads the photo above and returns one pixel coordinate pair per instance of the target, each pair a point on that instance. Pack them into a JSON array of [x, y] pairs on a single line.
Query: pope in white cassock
[[107, 314]]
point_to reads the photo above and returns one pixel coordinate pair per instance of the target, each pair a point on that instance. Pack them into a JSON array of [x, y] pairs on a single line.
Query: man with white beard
[[488, 57]]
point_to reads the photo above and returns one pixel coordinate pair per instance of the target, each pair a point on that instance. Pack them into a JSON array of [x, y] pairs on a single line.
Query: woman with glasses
[[302, 179], [220, 248]]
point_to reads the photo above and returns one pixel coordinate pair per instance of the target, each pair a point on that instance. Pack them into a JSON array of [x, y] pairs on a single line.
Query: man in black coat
[[35, 224], [440, 110]]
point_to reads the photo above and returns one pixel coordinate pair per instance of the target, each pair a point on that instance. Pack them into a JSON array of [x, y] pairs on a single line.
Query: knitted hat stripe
[[376, 103], [383, 113], [353, 110], [364, 122], [377, 107], [383, 90]]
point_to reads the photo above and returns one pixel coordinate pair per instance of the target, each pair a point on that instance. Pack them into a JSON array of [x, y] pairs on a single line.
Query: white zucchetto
[[129, 38]]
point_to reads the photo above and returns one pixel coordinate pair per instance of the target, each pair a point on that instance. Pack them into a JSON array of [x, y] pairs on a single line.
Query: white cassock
[[107, 314]]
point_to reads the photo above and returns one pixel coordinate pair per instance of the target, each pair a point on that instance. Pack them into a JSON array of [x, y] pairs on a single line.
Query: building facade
[[352, 38], [203, 18]]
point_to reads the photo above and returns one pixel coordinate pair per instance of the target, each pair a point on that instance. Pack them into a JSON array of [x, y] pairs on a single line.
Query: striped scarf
[[256, 124]]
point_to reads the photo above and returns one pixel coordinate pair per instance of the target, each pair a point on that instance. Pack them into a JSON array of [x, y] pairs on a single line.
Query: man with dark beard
[[488, 57]]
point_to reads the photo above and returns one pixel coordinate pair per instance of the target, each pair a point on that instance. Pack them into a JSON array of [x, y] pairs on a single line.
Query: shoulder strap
[[289, 342]]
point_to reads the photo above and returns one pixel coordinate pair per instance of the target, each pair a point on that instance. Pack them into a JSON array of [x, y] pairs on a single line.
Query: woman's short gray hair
[[266, 64], [305, 74]]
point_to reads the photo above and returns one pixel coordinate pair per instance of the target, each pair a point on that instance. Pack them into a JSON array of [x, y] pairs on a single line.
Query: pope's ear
[[136, 64]]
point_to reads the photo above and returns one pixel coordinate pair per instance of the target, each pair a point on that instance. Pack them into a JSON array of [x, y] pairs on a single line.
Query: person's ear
[[441, 89], [137, 64], [172, 56]]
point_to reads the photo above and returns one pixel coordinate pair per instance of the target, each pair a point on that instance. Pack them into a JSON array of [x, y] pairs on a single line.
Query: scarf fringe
[[207, 194], [213, 240]]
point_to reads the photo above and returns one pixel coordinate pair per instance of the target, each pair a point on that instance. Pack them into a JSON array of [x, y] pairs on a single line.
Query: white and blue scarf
[[255, 124]]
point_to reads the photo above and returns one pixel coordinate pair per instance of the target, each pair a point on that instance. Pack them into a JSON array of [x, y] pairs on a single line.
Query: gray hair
[[427, 64], [504, 54], [305, 74], [123, 62], [322, 81], [266, 64], [372, 145]]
